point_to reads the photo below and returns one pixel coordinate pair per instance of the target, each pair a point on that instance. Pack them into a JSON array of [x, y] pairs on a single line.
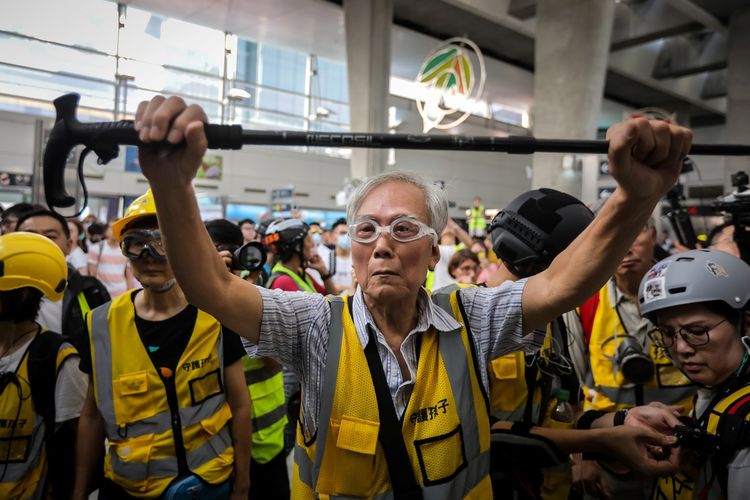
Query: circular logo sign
[[453, 76]]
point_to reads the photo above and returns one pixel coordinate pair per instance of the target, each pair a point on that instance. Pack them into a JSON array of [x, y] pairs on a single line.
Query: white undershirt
[[70, 387], [50, 315]]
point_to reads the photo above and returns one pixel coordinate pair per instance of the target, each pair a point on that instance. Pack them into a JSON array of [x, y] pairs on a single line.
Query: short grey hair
[[437, 205]]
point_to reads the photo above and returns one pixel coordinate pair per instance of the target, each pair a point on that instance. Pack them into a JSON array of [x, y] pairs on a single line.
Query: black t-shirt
[[166, 340]]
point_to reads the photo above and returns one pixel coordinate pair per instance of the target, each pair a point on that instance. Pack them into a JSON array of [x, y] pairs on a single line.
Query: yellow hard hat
[[31, 260], [143, 206]]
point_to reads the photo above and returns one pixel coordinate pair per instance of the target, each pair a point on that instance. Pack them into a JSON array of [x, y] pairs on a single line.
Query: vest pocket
[[350, 465], [438, 457], [212, 428], [505, 367], [205, 387], [133, 399], [358, 435], [130, 461], [15, 450]]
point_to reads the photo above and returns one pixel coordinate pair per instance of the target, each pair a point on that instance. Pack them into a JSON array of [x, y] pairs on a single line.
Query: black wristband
[[620, 415], [585, 421], [326, 276]]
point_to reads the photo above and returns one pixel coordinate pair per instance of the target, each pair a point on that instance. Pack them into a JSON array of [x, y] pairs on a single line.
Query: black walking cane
[[104, 139]]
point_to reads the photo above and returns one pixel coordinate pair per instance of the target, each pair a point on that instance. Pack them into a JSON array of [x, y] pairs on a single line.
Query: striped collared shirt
[[294, 330]]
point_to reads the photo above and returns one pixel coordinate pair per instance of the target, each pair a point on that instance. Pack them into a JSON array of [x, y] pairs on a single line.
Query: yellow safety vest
[[606, 389], [304, 286], [266, 387], [682, 486], [445, 427], [508, 396], [22, 434], [132, 400], [477, 219]]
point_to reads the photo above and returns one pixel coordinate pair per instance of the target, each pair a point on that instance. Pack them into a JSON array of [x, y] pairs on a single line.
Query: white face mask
[[343, 242], [317, 238]]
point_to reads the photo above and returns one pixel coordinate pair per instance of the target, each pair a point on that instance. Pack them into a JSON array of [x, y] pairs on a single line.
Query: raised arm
[[645, 157], [193, 258]]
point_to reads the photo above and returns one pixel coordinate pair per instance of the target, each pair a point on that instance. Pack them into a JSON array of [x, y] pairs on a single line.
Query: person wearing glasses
[[167, 395], [393, 380], [698, 302]]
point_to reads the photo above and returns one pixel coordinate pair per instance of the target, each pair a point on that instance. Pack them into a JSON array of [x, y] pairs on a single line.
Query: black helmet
[[536, 226], [284, 237]]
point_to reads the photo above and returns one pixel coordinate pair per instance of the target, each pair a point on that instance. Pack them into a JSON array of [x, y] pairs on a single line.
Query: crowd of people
[[397, 353]]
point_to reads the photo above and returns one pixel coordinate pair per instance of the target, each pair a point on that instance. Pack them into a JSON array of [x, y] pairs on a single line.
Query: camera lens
[[636, 366]]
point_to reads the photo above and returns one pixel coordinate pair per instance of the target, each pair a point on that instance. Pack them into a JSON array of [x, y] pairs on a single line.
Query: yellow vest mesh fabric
[[354, 464], [604, 372]]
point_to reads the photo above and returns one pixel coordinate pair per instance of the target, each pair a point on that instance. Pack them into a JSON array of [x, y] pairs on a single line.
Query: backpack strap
[[47, 353]]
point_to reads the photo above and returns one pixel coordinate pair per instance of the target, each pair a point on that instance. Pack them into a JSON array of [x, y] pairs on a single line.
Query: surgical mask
[[317, 238], [344, 243]]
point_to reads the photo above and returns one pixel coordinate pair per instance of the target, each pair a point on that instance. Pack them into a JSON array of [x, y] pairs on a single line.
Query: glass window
[[171, 80], [247, 61], [54, 58], [333, 80], [85, 23], [161, 40], [282, 70]]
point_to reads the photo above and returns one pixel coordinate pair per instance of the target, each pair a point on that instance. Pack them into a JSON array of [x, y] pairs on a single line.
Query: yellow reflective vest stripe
[[605, 388], [266, 386], [132, 400], [22, 434], [445, 426]]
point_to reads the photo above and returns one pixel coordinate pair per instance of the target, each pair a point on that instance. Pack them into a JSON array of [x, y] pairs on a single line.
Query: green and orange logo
[[452, 83]]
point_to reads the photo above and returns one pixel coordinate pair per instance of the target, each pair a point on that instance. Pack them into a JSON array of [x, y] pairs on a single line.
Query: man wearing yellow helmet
[[168, 392], [35, 432]]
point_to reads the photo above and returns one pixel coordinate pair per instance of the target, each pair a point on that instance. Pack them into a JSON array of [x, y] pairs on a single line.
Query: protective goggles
[[403, 229], [134, 245]]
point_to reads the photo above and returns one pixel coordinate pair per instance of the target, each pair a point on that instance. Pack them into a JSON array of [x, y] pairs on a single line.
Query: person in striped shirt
[[110, 266]]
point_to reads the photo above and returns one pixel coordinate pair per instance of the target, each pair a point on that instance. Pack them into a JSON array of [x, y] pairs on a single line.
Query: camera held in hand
[[249, 257]]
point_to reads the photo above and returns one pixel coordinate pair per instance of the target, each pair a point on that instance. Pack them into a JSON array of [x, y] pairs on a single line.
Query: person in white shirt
[[77, 256], [342, 277]]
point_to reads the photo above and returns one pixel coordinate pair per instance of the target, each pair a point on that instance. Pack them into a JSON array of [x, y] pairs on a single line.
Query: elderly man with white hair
[[394, 390]]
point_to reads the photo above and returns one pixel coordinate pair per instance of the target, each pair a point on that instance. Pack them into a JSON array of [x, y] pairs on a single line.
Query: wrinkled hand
[[643, 450], [655, 416], [645, 156], [588, 478], [170, 120], [317, 263]]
